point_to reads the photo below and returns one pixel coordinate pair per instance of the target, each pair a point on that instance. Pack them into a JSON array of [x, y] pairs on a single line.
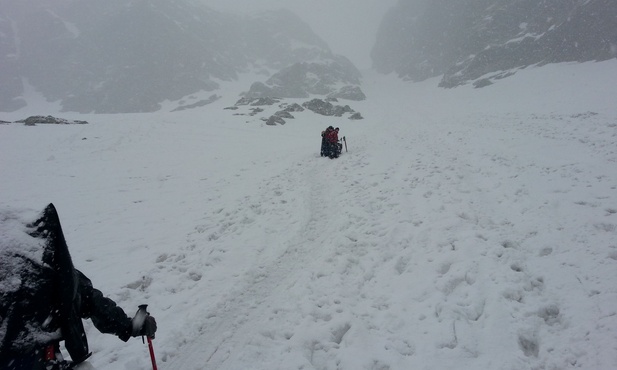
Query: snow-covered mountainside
[[119, 57], [464, 40], [461, 229]]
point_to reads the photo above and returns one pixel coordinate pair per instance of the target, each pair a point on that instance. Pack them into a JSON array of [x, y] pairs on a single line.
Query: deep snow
[[464, 228]]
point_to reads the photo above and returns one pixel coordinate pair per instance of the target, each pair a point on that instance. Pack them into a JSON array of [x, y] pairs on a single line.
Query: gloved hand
[[143, 323], [148, 328]]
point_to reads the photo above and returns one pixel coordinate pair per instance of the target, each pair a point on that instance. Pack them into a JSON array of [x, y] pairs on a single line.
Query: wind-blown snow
[[464, 228]]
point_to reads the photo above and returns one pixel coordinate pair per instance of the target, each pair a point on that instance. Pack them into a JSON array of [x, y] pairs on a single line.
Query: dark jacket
[[48, 297]]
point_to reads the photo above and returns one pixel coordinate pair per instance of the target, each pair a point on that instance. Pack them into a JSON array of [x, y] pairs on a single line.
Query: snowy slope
[[467, 229]]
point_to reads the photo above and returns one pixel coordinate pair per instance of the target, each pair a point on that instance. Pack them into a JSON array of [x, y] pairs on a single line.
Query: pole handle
[[142, 313]]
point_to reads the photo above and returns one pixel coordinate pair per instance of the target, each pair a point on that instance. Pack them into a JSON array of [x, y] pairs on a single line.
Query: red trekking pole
[[152, 354], [139, 319]]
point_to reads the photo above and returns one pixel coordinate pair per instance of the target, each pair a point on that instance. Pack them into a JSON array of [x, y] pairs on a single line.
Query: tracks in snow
[[269, 238], [372, 254]]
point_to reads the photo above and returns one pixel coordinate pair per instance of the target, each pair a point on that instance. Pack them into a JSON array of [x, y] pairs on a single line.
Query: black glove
[[143, 323], [148, 327]]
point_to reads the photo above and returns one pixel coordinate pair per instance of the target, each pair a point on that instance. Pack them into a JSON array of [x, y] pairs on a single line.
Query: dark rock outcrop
[[356, 116], [284, 114], [255, 111], [264, 101], [325, 108], [257, 101], [35, 120], [295, 107], [319, 106], [275, 120]]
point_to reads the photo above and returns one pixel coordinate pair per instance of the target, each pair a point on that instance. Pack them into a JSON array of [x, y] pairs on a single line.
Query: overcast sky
[[348, 26]]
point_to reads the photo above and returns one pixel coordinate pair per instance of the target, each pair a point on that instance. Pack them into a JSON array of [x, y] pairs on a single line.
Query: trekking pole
[[152, 354], [345, 141], [140, 317]]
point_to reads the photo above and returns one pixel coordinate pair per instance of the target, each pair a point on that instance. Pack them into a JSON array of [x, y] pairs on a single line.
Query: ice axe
[[138, 321]]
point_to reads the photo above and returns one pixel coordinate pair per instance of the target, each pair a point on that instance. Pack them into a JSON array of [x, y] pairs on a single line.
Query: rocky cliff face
[[484, 40], [118, 56]]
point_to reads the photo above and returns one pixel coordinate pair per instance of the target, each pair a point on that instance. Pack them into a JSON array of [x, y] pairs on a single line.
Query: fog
[[348, 26], [114, 57]]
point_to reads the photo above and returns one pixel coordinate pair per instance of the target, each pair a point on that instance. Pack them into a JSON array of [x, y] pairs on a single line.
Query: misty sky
[[348, 26]]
